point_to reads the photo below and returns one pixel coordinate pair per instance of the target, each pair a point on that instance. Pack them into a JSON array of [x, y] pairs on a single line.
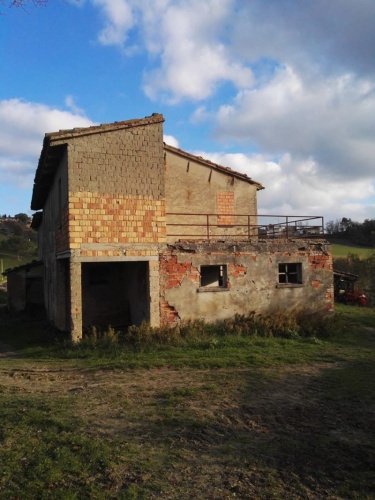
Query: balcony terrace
[[241, 227]]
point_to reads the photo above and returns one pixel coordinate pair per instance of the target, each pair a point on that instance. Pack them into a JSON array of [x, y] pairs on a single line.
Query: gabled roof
[[55, 143], [214, 166], [105, 127], [54, 146]]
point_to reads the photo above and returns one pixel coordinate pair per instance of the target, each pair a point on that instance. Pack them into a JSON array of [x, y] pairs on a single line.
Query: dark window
[[290, 273], [214, 276]]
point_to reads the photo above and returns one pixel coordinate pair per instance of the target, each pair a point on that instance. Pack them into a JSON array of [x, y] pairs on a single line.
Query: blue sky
[[281, 90]]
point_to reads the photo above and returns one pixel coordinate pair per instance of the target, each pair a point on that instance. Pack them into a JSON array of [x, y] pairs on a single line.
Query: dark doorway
[[115, 293]]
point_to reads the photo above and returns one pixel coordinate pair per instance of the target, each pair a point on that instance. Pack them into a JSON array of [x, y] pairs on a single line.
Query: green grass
[[36, 340], [231, 416], [340, 250]]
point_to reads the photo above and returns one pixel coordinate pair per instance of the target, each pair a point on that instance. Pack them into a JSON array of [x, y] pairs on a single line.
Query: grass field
[[238, 417], [340, 250]]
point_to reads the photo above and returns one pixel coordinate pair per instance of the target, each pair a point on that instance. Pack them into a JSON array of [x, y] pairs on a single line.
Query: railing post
[[287, 227], [208, 227]]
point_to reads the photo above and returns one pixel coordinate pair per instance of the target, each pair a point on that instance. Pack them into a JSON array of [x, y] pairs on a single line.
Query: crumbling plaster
[[252, 270]]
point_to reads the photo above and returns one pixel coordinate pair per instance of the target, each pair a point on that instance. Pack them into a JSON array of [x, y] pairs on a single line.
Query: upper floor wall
[[200, 193], [115, 185]]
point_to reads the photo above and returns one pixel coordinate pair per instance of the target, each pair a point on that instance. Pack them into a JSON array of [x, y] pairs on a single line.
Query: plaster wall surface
[[195, 188], [253, 280]]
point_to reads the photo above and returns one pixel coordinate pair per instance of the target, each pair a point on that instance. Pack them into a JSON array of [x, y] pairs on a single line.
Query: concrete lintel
[[121, 246], [118, 258]]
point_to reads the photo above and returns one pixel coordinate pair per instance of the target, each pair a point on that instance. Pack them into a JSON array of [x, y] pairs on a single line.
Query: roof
[[345, 275], [104, 127], [23, 267], [55, 144], [215, 166], [54, 147]]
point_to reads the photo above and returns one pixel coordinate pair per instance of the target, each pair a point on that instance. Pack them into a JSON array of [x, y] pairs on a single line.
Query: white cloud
[[186, 39], [331, 121], [118, 19], [22, 127], [171, 140]]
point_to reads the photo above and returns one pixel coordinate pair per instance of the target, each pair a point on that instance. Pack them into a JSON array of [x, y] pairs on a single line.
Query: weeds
[[206, 335]]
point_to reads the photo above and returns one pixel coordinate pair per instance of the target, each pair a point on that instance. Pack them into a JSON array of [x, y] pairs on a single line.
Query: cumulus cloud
[[171, 140], [118, 19], [186, 40], [331, 121], [22, 127]]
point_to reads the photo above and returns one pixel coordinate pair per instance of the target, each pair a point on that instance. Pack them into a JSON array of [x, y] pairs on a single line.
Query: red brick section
[[171, 275], [320, 262], [236, 270], [225, 207], [168, 314], [315, 283]]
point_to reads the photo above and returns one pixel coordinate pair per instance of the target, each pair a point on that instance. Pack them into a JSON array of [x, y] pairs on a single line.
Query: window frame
[[222, 278], [293, 276]]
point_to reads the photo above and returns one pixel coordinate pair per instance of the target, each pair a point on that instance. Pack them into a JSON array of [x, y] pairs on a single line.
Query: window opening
[[213, 276], [290, 273]]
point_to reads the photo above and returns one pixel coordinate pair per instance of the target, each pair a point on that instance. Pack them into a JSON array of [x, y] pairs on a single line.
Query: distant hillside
[[343, 250], [18, 242]]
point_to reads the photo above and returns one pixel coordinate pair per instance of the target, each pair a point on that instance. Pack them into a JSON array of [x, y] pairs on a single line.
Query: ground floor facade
[[188, 280]]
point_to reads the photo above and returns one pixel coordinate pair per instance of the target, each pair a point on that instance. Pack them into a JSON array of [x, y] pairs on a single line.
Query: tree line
[[360, 233]]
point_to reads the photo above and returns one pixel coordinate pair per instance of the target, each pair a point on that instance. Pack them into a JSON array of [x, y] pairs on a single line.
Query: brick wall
[[104, 218], [225, 207]]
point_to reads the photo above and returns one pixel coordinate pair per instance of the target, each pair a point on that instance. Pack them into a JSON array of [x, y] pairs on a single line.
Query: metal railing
[[241, 227]]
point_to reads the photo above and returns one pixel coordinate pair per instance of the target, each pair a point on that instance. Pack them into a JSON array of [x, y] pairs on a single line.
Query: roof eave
[[216, 166]]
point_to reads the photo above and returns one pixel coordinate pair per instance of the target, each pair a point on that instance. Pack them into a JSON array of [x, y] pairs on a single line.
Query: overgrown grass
[[241, 342], [341, 250]]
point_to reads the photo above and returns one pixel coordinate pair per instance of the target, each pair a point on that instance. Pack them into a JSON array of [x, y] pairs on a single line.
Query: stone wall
[[252, 273]]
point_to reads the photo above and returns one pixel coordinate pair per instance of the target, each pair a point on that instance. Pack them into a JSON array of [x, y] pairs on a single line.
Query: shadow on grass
[[299, 435]]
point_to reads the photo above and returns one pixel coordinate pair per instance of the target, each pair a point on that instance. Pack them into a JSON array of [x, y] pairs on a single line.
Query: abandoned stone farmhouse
[[131, 229]]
